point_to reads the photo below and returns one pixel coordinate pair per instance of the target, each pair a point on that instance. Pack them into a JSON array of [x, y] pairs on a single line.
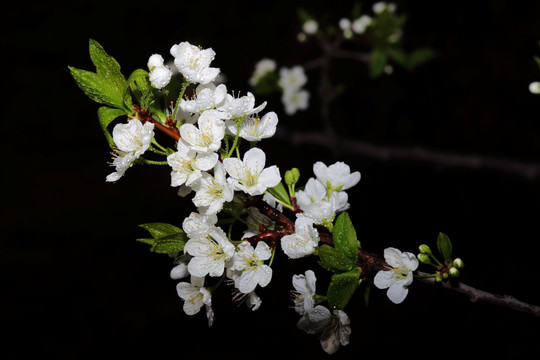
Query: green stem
[[272, 258], [235, 144], [184, 87], [151, 162]]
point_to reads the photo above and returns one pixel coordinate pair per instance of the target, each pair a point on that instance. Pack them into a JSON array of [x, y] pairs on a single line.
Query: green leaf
[[139, 83], [281, 194], [106, 66], [334, 260], [106, 115], [345, 239], [166, 239], [342, 287], [97, 88], [445, 247], [378, 62], [418, 57]]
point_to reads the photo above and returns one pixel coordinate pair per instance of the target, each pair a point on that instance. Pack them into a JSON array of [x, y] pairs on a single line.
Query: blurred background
[[75, 282]]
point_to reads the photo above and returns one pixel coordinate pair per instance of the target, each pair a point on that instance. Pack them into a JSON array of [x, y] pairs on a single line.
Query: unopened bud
[[458, 263], [292, 176], [445, 276], [453, 272], [438, 278], [423, 258], [424, 249]]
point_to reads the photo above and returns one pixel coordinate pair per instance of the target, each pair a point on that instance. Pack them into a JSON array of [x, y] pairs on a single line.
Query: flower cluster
[[216, 162]]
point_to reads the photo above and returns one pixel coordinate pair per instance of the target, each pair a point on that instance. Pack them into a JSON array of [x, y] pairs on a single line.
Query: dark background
[[75, 284]]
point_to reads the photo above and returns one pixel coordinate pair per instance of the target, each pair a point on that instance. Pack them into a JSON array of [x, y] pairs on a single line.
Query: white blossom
[[194, 294], [304, 240], [382, 6], [160, 74], [251, 264], [334, 328], [199, 225], [254, 128], [336, 177], [131, 141], [294, 100], [239, 107], [534, 87], [179, 271], [360, 25], [262, 67], [210, 253], [187, 165], [305, 287], [310, 27], [344, 24], [212, 191], [250, 175], [194, 63], [207, 136], [399, 277], [291, 79], [207, 96]]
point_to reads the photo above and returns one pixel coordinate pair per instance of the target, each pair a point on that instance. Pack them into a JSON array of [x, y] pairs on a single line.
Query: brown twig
[[477, 295], [145, 116]]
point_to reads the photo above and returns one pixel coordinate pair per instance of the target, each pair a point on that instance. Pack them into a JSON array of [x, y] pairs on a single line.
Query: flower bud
[[423, 258], [445, 276], [292, 176], [453, 272], [438, 278], [424, 249], [458, 263]]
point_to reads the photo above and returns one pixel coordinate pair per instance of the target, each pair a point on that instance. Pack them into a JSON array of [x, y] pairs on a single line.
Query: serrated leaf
[[345, 237], [445, 247], [334, 260], [97, 87], [105, 116], [342, 287], [161, 229], [106, 66], [139, 84]]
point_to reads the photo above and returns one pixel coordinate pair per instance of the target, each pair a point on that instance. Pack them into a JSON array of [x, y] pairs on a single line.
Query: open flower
[[336, 177], [131, 141], [194, 62], [255, 128], [251, 263], [239, 107], [292, 79], [199, 225], [304, 240], [207, 136], [334, 328], [209, 253], [207, 96], [305, 287], [195, 296], [212, 191], [263, 67], [294, 100], [399, 277], [187, 165], [250, 175]]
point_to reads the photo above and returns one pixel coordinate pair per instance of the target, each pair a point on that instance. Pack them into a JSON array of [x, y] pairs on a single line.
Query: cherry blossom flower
[[251, 264], [295, 100], [305, 287], [360, 25], [207, 97], [400, 277], [250, 175], [199, 225], [131, 141], [195, 296], [292, 78], [194, 62], [239, 107], [262, 67], [336, 177], [212, 191], [334, 328], [255, 128], [207, 136], [209, 253], [304, 240], [187, 165]]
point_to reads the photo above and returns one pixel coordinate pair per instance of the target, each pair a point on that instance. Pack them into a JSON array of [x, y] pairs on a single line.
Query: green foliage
[[342, 287], [281, 194], [105, 86], [344, 255], [445, 247], [106, 115], [334, 260], [165, 239]]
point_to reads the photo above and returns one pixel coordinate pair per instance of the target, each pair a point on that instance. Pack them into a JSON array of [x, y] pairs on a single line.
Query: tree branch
[[385, 153], [477, 295]]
